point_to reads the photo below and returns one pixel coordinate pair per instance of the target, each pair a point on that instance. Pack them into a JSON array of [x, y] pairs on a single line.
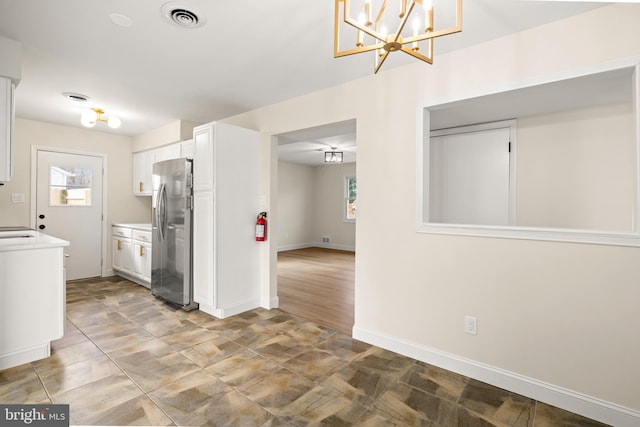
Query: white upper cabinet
[[186, 149], [6, 129], [166, 153], [143, 166], [203, 137]]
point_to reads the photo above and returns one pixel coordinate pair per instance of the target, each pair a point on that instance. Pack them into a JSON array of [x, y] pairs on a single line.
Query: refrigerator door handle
[[161, 214], [164, 211]]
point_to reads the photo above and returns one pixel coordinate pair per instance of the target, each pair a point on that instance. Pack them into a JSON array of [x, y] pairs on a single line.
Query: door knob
[[41, 216], [41, 226]]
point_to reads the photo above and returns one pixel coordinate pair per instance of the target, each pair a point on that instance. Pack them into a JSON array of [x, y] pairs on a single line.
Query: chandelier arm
[[364, 28], [380, 62], [403, 22], [341, 53], [379, 17], [415, 54]]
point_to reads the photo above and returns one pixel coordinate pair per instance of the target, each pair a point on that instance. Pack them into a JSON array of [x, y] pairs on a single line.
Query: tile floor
[[129, 359]]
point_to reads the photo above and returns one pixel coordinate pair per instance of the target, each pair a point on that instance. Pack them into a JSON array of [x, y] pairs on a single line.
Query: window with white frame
[[350, 191]]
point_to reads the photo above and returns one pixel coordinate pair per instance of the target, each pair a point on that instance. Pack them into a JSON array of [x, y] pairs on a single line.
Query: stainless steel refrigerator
[[171, 260]]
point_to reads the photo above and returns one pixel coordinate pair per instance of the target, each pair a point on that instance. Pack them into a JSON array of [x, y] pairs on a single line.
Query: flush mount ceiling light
[[333, 156], [121, 20], [369, 22], [183, 15], [92, 116]]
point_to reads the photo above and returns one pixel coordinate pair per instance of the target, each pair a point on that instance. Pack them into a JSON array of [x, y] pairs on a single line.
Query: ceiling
[[248, 54]]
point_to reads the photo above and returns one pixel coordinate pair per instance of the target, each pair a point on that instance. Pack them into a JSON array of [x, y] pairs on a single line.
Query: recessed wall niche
[[573, 161]]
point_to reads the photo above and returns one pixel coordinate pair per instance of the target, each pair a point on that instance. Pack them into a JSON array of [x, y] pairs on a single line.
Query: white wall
[[296, 206], [556, 320], [122, 205], [330, 205], [310, 206], [576, 169]]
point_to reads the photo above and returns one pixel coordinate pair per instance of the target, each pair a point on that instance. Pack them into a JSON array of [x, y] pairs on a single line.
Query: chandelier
[[90, 117], [369, 23], [333, 156]]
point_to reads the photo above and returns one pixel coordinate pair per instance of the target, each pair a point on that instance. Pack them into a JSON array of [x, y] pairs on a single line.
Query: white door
[[69, 206]]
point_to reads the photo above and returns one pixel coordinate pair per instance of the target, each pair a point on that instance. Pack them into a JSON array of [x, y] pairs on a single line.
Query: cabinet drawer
[[121, 232], [144, 236]]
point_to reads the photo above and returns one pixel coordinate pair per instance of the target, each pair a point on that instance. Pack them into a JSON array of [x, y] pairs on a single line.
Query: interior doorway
[[315, 224], [67, 203]]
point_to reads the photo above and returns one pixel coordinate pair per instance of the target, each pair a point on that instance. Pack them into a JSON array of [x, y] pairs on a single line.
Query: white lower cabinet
[[132, 252], [122, 256], [142, 255]]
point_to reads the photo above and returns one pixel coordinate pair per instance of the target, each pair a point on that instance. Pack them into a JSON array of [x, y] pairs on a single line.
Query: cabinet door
[[187, 149], [142, 259], [142, 164], [166, 153], [6, 122], [145, 262], [122, 256], [203, 163], [203, 252]]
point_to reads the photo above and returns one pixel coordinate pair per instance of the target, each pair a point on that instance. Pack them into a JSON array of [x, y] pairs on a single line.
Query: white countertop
[[28, 239], [143, 227]]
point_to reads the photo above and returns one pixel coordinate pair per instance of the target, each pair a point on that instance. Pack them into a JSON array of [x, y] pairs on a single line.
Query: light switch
[[17, 197]]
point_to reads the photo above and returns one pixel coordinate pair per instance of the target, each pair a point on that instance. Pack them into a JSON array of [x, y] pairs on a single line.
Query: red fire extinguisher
[[261, 227]]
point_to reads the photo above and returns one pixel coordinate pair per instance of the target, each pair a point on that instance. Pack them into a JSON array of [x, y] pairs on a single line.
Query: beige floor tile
[[98, 396], [404, 404], [498, 405], [154, 373], [139, 411], [21, 385], [68, 356], [439, 382], [188, 337], [281, 348], [209, 352], [66, 378], [277, 390], [186, 396], [550, 416], [322, 406], [315, 364], [243, 368]]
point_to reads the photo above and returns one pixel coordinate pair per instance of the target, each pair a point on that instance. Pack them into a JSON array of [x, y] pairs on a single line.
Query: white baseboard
[[271, 303], [224, 312], [25, 355], [316, 245], [295, 247], [560, 397], [336, 247]]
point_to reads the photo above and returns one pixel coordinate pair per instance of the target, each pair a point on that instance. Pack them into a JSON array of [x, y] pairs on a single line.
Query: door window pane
[[69, 186]]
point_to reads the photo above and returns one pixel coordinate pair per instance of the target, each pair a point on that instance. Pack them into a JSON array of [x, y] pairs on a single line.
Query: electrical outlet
[[325, 239], [17, 197], [471, 325]]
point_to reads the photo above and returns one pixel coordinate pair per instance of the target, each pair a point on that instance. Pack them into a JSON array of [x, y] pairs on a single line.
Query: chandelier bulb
[[114, 122], [89, 118]]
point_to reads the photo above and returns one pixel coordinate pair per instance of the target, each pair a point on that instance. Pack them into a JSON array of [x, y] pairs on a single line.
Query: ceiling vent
[[183, 15], [78, 97]]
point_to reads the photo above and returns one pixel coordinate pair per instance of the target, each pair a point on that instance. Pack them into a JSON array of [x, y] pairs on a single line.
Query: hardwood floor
[[317, 284]]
